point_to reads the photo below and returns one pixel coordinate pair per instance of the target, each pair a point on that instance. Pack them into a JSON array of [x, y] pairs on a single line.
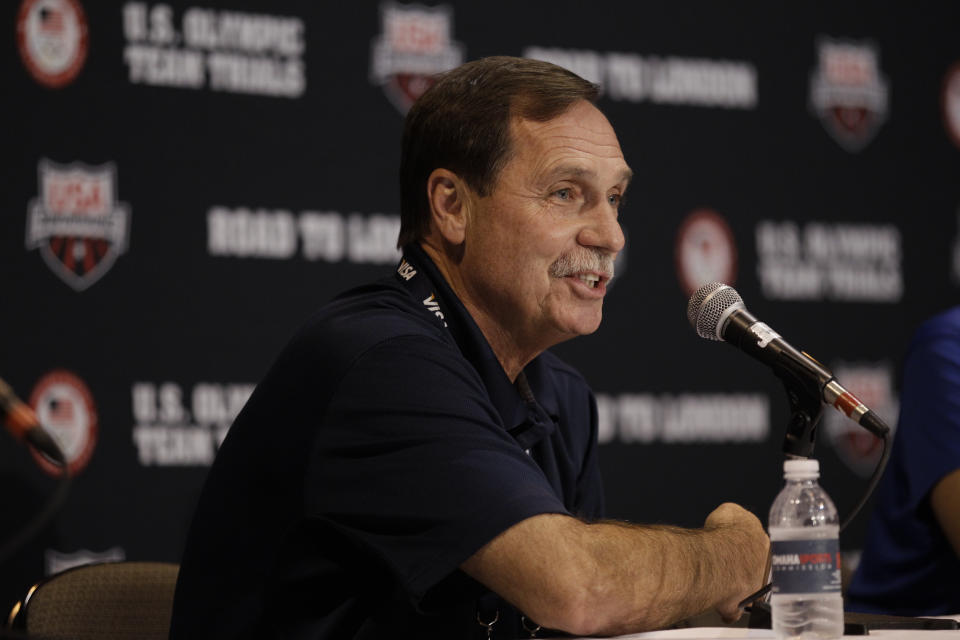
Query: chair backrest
[[106, 601]]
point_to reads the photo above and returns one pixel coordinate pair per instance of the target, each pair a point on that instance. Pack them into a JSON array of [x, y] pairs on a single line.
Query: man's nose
[[602, 231]]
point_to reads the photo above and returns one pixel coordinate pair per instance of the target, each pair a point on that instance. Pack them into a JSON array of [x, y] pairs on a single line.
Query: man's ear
[[449, 199]]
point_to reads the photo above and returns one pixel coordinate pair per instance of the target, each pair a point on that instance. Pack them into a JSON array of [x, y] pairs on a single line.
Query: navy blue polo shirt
[[383, 448]]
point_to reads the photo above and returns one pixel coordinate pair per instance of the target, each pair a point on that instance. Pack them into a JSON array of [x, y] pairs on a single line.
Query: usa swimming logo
[[415, 44], [77, 222], [848, 93]]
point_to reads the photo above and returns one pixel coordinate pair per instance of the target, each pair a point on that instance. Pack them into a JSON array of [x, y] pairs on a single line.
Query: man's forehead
[[581, 113], [570, 143], [582, 116]]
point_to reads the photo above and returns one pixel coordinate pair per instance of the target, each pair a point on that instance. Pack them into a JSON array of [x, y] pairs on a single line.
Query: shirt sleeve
[[929, 424], [424, 472]]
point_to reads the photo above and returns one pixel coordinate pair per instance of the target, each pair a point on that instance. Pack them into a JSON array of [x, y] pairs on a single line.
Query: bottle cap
[[805, 467]]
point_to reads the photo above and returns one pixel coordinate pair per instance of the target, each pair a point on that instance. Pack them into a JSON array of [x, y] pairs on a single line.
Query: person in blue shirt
[[416, 463], [911, 557]]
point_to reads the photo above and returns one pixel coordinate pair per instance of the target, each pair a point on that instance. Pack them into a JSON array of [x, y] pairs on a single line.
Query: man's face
[[539, 248]]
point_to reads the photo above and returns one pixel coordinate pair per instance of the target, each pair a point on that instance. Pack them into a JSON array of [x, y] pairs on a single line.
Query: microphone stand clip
[[806, 409]]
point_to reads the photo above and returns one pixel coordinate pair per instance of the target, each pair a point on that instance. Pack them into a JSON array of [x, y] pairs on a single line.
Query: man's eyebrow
[[578, 171], [571, 170]]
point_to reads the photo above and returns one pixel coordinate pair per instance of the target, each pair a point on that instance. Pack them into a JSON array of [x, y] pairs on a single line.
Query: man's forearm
[[610, 577], [652, 576]]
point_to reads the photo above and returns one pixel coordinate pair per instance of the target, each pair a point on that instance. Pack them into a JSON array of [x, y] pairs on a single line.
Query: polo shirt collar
[[519, 405]]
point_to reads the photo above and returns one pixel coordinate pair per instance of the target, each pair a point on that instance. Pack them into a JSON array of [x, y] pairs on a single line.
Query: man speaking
[[415, 463]]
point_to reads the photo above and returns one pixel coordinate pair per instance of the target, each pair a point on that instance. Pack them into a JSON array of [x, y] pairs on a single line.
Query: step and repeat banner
[[185, 181]]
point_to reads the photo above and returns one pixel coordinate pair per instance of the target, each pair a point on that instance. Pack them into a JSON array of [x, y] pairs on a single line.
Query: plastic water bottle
[[804, 536]]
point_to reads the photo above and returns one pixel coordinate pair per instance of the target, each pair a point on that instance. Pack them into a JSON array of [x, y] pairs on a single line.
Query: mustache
[[593, 260]]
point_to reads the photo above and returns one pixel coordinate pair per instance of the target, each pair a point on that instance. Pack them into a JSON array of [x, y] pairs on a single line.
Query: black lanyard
[[420, 288], [536, 423]]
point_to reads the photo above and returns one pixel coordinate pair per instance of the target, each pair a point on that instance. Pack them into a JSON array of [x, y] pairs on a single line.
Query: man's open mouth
[[592, 280]]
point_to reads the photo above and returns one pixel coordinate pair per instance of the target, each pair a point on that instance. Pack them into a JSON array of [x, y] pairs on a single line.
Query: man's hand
[[747, 569]]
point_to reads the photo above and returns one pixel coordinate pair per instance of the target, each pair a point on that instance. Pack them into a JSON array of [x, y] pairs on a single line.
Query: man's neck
[[511, 355]]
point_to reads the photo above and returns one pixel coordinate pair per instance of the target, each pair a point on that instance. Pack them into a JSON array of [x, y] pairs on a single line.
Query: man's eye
[[614, 199], [563, 194]]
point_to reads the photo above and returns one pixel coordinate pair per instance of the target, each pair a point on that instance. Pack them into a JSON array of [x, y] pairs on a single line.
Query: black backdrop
[[184, 183]]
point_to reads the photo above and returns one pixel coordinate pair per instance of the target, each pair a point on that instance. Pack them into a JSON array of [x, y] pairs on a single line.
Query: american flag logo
[[51, 20], [52, 40], [66, 410], [61, 410]]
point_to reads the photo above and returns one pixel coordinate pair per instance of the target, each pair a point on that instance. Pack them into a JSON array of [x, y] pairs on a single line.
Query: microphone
[[23, 423], [717, 312]]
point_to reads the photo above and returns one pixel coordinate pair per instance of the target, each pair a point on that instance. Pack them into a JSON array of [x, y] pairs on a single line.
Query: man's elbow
[[570, 608], [588, 608]]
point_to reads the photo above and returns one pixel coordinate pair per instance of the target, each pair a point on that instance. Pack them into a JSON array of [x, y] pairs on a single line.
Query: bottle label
[[805, 566]]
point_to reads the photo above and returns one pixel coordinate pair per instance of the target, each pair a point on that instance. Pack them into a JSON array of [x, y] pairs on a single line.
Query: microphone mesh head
[[708, 304]]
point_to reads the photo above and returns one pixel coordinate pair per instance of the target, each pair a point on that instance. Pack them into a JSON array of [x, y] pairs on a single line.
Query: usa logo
[[848, 92], [52, 39], [855, 446], [65, 408], [77, 222], [705, 251], [415, 44]]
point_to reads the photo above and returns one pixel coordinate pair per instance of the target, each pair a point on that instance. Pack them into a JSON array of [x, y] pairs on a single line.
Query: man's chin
[[581, 326]]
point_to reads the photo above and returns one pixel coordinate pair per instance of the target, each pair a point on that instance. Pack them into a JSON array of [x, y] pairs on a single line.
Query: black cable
[[874, 479], [52, 506]]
